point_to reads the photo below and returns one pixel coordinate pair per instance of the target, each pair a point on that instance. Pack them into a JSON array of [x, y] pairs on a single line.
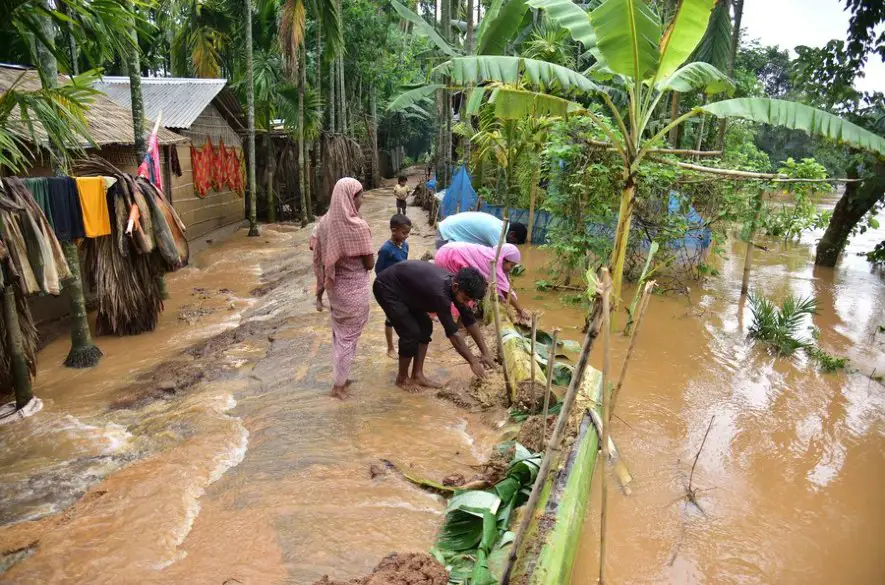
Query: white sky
[[789, 23]]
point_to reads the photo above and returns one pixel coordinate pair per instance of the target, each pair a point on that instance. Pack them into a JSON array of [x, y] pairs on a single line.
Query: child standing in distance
[[401, 192], [394, 250]]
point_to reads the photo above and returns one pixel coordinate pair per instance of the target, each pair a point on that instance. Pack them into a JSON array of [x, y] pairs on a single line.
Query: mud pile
[[400, 569]]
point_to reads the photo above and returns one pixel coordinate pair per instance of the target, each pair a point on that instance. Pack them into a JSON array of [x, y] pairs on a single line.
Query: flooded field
[[792, 471], [209, 451]]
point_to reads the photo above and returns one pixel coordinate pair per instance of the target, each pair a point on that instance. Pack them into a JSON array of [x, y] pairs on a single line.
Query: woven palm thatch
[[29, 342], [342, 157]]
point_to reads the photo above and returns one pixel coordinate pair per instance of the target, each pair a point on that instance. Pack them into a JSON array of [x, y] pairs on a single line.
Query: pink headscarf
[[457, 255], [342, 233]]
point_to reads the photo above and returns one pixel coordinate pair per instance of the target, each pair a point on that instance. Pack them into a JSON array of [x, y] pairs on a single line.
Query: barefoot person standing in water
[[342, 259], [407, 291]]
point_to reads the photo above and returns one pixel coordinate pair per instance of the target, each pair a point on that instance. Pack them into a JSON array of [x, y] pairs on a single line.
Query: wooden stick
[[748, 258], [493, 291], [643, 305], [698, 454], [556, 437], [551, 367], [606, 416], [532, 367]]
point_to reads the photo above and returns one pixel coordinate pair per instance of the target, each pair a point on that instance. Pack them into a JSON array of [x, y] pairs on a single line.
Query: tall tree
[[735, 45], [250, 120], [84, 353], [133, 66]]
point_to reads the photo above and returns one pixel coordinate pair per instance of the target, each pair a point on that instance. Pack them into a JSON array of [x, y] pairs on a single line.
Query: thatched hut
[[209, 116]]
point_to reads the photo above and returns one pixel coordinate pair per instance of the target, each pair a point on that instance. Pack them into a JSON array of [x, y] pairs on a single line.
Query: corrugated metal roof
[[109, 123], [180, 99]]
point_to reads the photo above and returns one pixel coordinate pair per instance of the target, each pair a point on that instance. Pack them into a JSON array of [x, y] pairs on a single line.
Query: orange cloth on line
[[94, 204]]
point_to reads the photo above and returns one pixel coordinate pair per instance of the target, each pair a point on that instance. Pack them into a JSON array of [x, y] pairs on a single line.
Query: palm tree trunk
[[469, 40], [303, 181], [250, 121], [83, 352], [269, 160], [536, 176], [70, 41], [21, 375], [373, 129], [622, 238], [342, 95], [735, 43], [133, 67], [333, 100]]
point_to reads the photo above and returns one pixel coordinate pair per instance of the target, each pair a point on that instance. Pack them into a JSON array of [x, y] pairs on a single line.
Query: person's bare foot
[[339, 392], [426, 382], [406, 384], [349, 382], [392, 354]]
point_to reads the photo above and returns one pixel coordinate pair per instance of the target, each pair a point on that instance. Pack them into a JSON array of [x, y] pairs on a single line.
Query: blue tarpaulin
[[460, 195]]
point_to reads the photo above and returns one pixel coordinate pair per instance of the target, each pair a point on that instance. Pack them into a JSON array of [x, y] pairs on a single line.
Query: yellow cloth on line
[[94, 204]]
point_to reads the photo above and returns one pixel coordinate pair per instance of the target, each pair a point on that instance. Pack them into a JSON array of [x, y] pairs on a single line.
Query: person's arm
[[461, 347], [523, 314], [457, 341], [476, 333], [368, 261]]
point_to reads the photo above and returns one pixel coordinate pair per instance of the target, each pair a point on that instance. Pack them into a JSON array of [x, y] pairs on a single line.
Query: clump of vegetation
[[781, 328]]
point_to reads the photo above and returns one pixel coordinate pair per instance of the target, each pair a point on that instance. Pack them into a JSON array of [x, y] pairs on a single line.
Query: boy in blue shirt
[[394, 250]]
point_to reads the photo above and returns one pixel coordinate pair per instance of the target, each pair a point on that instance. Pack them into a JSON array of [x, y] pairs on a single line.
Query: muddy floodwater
[[793, 471], [209, 452]]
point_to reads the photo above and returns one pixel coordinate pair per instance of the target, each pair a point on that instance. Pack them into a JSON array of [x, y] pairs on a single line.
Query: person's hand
[[487, 361], [523, 315], [320, 305], [329, 283], [478, 370]]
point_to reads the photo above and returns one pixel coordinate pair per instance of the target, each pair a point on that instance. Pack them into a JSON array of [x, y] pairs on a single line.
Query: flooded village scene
[[442, 292]]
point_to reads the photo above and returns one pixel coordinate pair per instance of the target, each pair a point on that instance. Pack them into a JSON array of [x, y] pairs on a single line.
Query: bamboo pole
[[493, 291], [553, 446], [532, 353], [748, 258], [744, 174], [551, 367], [606, 416], [643, 305]]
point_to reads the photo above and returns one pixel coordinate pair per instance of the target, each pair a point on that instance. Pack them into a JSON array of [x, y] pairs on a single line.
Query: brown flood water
[[793, 470], [251, 475]]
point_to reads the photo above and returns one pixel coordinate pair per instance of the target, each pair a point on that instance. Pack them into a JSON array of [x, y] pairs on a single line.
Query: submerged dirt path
[[209, 450]]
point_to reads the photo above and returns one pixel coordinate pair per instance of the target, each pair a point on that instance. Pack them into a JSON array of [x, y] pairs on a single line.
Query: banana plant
[[637, 54]]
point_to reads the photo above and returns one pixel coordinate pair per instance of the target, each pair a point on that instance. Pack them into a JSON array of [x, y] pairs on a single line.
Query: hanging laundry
[[94, 203], [150, 166], [174, 163], [200, 164], [39, 188], [217, 165], [67, 216]]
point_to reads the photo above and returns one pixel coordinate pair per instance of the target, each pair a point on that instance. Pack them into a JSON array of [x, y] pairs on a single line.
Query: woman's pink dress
[[349, 307]]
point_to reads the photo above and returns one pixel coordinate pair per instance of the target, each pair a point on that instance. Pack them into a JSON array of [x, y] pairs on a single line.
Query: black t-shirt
[[426, 287]]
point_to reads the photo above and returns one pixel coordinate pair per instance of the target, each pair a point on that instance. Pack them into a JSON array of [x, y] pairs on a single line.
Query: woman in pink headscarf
[[457, 255], [342, 259]]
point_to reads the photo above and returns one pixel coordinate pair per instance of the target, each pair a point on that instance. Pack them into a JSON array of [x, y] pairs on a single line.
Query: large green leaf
[[683, 34], [423, 28], [569, 16], [414, 96], [501, 27], [627, 34], [697, 75], [517, 104], [715, 47], [540, 75], [474, 502], [798, 117]]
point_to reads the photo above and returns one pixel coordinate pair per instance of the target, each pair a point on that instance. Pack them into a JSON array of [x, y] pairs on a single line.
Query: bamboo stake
[[551, 366], [493, 286], [606, 416], [555, 438], [643, 305], [748, 259], [532, 354]]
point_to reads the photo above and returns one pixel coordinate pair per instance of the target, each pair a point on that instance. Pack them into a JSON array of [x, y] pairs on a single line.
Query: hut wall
[[218, 208]]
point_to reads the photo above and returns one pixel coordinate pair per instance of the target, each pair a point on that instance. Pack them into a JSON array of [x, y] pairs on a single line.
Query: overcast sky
[[789, 23]]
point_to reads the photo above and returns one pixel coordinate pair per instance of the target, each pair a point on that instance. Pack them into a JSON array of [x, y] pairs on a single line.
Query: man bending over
[[407, 292]]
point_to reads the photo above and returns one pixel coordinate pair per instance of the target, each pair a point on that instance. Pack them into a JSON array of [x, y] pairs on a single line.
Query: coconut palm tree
[[638, 56], [250, 120]]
